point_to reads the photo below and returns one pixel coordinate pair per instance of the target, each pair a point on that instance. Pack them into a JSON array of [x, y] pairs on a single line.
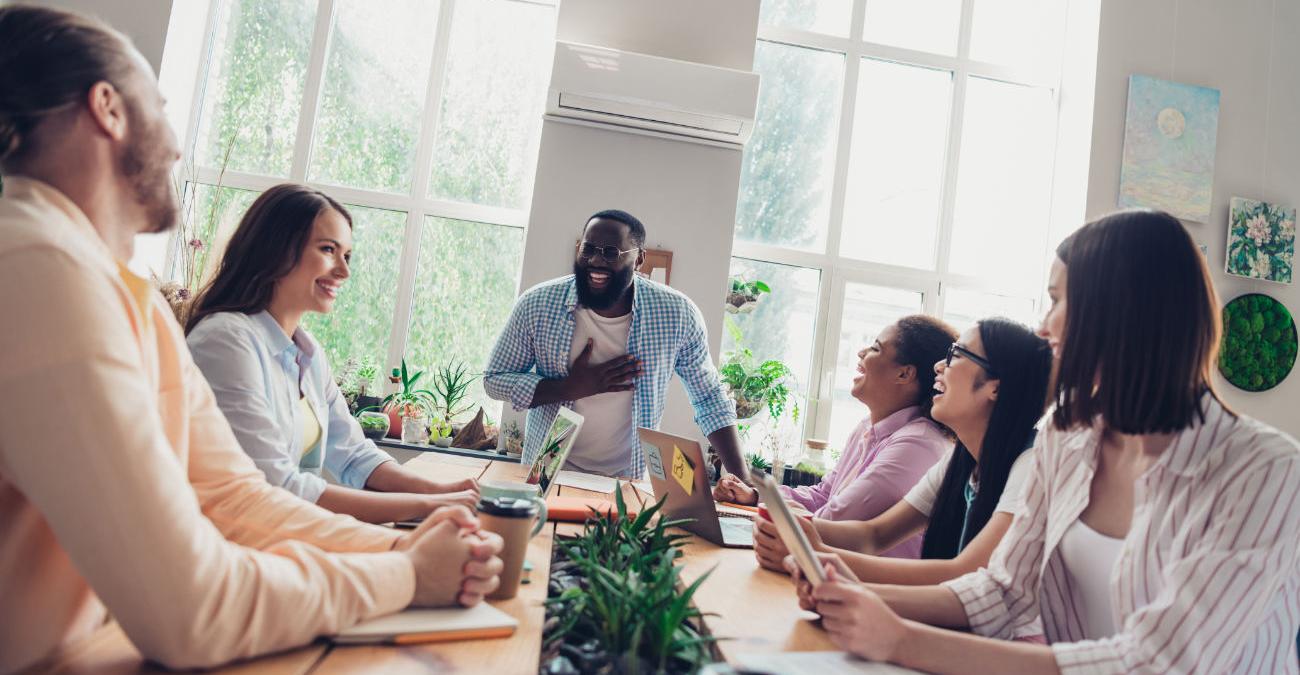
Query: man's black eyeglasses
[[955, 349], [609, 253]]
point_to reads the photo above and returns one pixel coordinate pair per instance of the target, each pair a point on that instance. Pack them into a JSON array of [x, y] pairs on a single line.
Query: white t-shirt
[[602, 445], [1089, 558], [923, 494]]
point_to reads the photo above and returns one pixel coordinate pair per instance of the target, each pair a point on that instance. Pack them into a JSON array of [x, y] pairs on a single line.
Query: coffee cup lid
[[508, 507]]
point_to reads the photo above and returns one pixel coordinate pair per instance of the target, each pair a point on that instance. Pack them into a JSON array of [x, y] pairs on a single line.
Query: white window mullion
[[410, 261], [311, 90], [820, 399], [953, 157]]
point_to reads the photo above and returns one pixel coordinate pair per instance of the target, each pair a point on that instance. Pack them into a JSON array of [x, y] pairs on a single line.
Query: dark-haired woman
[[893, 447], [990, 390], [1161, 530], [289, 256]]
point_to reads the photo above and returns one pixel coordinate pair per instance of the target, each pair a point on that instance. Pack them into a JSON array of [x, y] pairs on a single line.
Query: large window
[[423, 118], [901, 163]]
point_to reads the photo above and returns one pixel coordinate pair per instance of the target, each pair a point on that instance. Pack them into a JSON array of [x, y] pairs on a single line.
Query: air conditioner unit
[[640, 91]]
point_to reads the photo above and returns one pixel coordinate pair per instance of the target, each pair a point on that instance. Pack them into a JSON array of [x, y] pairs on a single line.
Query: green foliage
[[757, 462], [450, 384], [632, 601], [749, 288], [768, 381], [805, 467], [409, 400], [1259, 342], [372, 423]]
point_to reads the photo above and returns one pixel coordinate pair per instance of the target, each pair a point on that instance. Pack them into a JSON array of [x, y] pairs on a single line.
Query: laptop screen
[[555, 450]]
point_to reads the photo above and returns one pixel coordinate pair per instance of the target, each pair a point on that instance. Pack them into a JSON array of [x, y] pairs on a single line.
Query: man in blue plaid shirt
[[605, 342]]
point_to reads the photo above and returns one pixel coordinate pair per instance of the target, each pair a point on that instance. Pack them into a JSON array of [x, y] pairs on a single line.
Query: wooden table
[[756, 610]]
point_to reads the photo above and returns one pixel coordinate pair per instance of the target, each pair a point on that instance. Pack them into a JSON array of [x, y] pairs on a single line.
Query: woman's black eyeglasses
[[954, 349]]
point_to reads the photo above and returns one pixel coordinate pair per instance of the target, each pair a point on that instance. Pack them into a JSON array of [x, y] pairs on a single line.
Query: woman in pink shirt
[[893, 447]]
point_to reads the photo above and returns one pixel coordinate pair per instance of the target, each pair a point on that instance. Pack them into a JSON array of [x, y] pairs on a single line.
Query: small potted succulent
[[440, 433], [744, 295], [411, 407], [758, 463], [374, 424]]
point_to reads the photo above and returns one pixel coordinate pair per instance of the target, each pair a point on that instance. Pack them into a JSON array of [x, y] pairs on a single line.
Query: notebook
[[411, 626]]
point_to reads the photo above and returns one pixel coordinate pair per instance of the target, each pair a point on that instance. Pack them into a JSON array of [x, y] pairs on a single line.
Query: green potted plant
[[409, 408], [451, 392], [758, 463], [616, 601], [804, 473], [374, 425], [743, 295], [754, 386], [440, 433]]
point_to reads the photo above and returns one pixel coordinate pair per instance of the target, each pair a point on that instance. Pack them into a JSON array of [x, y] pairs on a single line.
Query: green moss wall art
[[1259, 342]]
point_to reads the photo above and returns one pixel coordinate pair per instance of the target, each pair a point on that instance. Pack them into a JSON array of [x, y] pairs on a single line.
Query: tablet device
[[791, 534]]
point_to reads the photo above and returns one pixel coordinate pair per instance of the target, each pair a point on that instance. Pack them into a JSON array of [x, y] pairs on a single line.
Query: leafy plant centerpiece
[[616, 603], [411, 405]]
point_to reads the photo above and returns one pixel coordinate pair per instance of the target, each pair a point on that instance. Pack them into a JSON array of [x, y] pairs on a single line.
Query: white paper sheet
[[586, 481]]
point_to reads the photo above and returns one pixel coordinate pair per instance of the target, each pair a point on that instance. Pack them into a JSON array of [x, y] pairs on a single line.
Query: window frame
[[837, 270], [416, 203]]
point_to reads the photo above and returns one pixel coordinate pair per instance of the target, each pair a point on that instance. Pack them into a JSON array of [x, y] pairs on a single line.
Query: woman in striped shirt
[[1161, 531]]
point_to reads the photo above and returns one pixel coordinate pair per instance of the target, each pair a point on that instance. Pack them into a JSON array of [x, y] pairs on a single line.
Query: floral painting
[[1261, 240], [1170, 133]]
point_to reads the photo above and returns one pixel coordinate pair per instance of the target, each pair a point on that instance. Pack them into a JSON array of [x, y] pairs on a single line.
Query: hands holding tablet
[[771, 552]]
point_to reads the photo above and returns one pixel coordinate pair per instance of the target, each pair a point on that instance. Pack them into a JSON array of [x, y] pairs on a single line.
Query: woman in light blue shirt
[[270, 377]]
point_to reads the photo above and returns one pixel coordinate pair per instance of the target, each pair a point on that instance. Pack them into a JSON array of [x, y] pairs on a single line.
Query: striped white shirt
[[1208, 579]]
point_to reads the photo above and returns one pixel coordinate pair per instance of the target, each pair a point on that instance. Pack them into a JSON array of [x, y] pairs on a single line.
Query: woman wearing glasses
[[1161, 530], [290, 256], [890, 450], [990, 390]]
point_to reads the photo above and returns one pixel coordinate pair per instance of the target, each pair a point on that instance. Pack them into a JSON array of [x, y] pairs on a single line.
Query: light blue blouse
[[256, 373]]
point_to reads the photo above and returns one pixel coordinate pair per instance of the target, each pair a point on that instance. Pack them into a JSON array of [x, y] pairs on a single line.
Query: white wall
[[1247, 49], [144, 21], [685, 193]]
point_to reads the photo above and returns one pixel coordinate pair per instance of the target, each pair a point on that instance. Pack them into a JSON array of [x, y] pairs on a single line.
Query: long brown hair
[[1142, 326], [265, 247], [49, 60]]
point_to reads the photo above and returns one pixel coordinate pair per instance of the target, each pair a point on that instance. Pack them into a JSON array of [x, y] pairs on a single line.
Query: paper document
[[586, 481], [798, 663]]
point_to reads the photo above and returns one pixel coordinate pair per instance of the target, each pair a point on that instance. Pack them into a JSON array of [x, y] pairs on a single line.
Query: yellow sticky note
[[683, 471]]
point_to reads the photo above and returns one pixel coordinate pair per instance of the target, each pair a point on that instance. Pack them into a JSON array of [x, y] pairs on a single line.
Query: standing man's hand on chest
[[588, 379]]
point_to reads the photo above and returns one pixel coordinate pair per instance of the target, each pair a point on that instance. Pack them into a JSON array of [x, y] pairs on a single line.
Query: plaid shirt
[[667, 335]]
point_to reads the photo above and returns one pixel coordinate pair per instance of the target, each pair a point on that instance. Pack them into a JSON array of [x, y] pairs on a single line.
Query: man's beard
[[619, 280], [151, 182]]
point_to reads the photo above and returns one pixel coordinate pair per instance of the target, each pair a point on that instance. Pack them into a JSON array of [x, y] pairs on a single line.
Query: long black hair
[[265, 247], [1023, 362]]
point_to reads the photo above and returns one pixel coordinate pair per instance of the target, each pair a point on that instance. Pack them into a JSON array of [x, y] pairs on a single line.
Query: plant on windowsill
[[744, 295], [451, 392], [409, 408], [758, 463], [804, 473], [616, 602], [754, 386], [374, 425], [440, 433]]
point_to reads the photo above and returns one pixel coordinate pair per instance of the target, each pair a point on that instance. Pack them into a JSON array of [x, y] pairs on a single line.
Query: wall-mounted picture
[[1169, 143], [1261, 240]]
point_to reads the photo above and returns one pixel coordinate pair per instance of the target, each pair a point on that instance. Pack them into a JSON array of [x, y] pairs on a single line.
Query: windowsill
[[490, 455]]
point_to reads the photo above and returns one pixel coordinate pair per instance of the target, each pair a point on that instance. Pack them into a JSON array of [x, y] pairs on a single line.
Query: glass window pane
[[214, 214], [464, 290], [373, 94], [783, 326], [1004, 179], [254, 85], [963, 307], [820, 16], [900, 136], [867, 310], [1023, 33], [362, 320], [923, 25], [494, 93], [785, 181]]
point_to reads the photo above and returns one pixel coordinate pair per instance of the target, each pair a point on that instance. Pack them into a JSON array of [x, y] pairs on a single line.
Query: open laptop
[[555, 451], [679, 476]]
